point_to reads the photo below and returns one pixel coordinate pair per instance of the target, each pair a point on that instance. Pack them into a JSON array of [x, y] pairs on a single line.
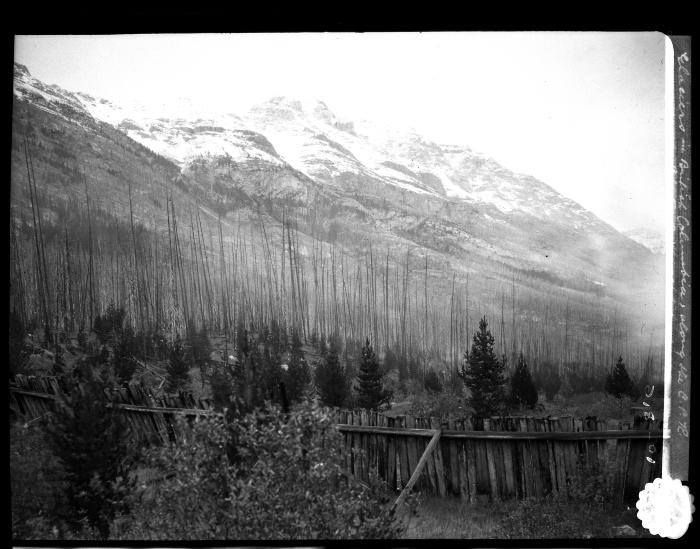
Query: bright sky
[[584, 112]]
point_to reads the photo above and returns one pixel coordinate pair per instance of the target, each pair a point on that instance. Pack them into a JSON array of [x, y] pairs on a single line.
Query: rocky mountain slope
[[348, 183]]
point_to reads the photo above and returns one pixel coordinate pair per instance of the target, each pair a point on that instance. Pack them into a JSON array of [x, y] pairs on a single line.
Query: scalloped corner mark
[[666, 508]]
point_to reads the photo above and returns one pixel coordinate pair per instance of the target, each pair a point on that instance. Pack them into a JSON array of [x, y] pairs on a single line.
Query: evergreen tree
[[91, 442], [331, 380], [201, 347], [522, 389], [124, 362], [371, 395], [618, 383], [483, 374], [178, 369], [82, 338], [109, 326], [432, 382], [298, 374]]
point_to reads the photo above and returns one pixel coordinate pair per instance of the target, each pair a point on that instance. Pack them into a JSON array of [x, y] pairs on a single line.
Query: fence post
[[419, 468]]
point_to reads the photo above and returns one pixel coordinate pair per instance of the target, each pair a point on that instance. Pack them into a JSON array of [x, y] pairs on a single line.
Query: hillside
[[370, 209]]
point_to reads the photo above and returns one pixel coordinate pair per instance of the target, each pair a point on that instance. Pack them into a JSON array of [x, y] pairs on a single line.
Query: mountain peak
[[299, 105], [21, 71]]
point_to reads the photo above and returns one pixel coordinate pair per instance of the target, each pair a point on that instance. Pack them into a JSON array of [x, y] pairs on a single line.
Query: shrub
[[36, 484], [438, 404], [90, 440], [285, 481], [432, 382]]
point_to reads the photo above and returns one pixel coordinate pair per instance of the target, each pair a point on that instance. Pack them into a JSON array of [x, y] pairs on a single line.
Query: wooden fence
[[150, 417], [499, 458], [503, 457]]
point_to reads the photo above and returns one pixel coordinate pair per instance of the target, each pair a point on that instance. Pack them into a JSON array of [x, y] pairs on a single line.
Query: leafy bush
[[432, 382], [222, 385], [36, 483], [90, 441], [267, 475], [438, 404]]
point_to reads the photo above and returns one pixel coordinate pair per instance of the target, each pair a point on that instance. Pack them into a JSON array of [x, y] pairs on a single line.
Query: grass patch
[[450, 518]]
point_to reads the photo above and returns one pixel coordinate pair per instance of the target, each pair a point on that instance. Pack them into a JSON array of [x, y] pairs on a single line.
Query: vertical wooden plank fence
[[508, 457], [496, 458]]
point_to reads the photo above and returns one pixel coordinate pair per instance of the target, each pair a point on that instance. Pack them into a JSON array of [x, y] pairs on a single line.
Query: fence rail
[[499, 458]]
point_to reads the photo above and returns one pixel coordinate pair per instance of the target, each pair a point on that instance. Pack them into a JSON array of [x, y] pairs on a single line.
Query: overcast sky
[[584, 112]]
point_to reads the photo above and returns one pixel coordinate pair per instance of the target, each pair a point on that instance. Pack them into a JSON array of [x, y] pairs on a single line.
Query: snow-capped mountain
[[311, 138], [373, 182]]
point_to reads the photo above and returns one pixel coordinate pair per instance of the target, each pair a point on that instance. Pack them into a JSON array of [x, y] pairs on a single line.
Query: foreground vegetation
[[264, 475], [282, 479], [271, 466]]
